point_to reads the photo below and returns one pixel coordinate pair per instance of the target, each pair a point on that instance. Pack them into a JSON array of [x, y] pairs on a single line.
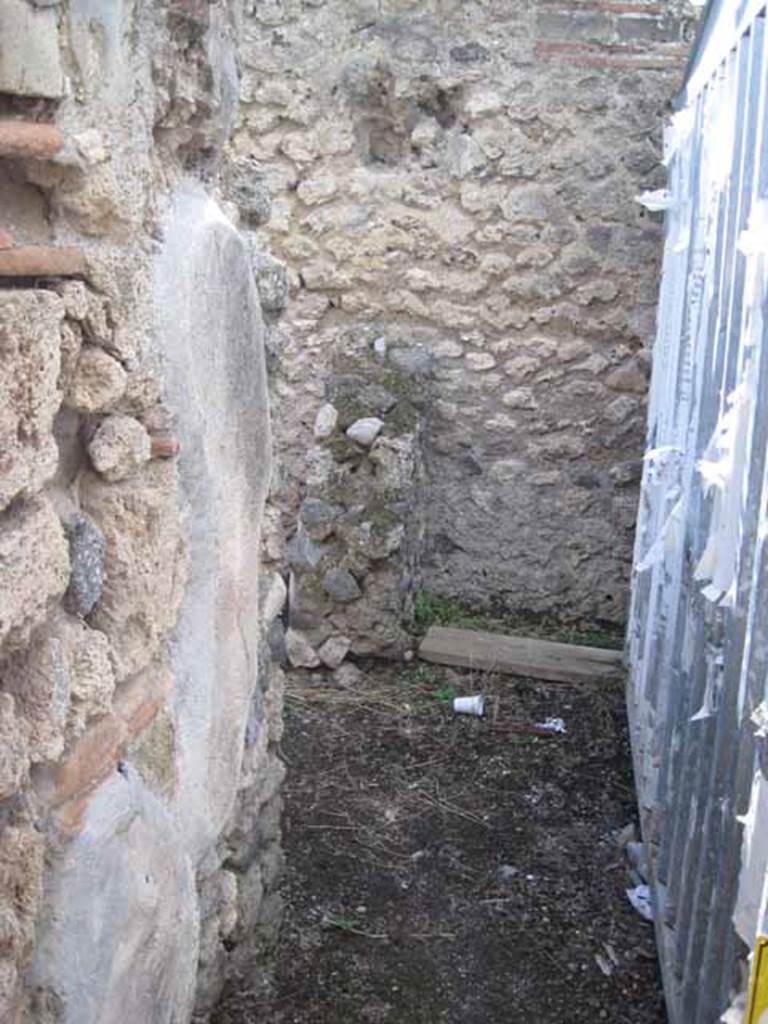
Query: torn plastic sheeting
[[720, 128], [670, 538], [753, 243], [722, 471], [677, 132], [753, 240], [760, 722], [658, 200], [640, 898], [749, 912], [659, 461], [683, 241], [735, 1012], [689, 647], [662, 453], [711, 701], [555, 725]]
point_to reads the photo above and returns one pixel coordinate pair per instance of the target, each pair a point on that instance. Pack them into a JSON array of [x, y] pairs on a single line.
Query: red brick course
[[42, 261], [28, 139], [97, 752], [622, 57]]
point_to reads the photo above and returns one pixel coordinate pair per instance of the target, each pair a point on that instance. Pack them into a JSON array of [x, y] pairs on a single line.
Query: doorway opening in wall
[[457, 868]]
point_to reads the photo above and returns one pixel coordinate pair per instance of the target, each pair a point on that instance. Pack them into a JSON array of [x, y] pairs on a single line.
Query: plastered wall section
[[458, 181], [138, 717]]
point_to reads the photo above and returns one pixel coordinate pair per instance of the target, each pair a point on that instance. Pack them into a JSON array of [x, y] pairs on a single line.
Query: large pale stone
[[365, 431], [317, 189], [480, 360], [74, 295], [301, 654], [21, 883], [119, 447], [71, 347], [30, 340], [273, 594], [519, 398], [14, 752], [144, 566], [99, 381], [347, 675], [325, 421], [63, 679], [29, 51], [334, 651], [34, 569], [465, 157]]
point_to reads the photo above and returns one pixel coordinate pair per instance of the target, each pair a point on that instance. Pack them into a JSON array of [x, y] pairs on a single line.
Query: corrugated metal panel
[[698, 636]]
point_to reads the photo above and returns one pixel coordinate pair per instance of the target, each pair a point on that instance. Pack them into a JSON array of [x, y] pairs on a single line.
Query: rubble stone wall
[[139, 711], [453, 190]]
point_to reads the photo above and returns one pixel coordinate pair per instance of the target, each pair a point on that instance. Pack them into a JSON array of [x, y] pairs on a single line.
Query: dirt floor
[[455, 869]]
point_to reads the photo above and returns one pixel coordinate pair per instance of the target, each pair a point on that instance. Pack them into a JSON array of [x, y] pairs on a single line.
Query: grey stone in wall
[[87, 551]]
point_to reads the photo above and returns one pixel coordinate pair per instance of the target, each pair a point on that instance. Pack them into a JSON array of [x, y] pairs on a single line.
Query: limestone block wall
[[139, 717], [453, 192]]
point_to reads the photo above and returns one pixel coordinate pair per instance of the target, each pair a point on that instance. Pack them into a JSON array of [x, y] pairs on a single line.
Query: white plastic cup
[[469, 705]]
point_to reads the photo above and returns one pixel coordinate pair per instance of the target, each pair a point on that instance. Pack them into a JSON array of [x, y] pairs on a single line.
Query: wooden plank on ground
[[519, 655]]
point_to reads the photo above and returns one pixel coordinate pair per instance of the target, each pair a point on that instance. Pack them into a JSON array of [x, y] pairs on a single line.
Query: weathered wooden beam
[[42, 261], [29, 139], [519, 656]]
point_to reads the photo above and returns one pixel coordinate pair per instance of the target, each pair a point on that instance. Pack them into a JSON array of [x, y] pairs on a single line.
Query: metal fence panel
[[698, 634]]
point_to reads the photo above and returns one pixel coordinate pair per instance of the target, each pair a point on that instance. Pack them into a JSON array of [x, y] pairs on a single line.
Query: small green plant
[[426, 681], [431, 610], [418, 675], [344, 922], [443, 694], [591, 635]]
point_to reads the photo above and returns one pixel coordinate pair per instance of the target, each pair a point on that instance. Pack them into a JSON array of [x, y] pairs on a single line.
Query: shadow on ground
[[451, 869]]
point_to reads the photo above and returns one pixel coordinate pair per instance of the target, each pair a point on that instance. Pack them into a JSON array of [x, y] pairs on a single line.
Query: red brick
[[622, 63], [6, 242], [619, 8], [608, 6], [139, 701], [91, 759], [29, 139], [164, 447], [98, 750], [625, 57], [42, 261]]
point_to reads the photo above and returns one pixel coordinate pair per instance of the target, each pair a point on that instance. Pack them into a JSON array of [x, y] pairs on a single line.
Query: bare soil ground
[[453, 869]]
